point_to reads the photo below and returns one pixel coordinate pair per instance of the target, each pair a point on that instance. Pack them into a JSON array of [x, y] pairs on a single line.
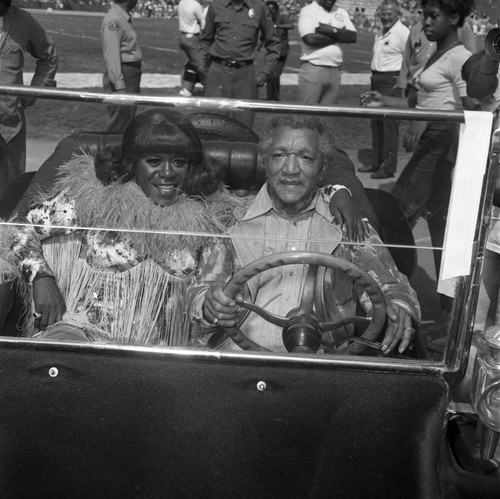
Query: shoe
[[184, 92], [367, 169], [382, 174]]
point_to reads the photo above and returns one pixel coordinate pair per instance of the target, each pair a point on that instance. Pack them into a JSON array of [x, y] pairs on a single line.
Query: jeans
[[424, 186], [191, 46]]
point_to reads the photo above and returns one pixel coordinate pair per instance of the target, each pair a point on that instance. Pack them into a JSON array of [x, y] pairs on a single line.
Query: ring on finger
[[215, 320], [408, 328]]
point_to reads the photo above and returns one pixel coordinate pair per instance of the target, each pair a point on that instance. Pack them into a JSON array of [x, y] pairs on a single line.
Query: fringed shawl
[[144, 304], [125, 206]]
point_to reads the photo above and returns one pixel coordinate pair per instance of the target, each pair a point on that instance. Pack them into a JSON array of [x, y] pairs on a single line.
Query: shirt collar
[[393, 27], [245, 3], [263, 204]]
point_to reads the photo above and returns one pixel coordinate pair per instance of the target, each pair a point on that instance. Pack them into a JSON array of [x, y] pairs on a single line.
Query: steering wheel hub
[[302, 335]]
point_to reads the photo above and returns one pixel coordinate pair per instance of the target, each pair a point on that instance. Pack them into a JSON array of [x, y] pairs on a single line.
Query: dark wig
[[159, 131], [462, 8]]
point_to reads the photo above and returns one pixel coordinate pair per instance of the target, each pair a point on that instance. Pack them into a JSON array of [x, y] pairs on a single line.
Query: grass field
[[77, 39]]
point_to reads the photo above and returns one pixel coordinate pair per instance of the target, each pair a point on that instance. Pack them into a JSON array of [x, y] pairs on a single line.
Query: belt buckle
[[233, 64]]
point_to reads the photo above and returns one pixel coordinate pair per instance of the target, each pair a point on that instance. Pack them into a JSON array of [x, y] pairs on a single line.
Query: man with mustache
[[290, 213]]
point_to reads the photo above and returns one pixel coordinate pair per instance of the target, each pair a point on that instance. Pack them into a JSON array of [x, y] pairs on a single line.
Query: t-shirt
[[310, 17], [191, 18], [388, 48], [440, 85]]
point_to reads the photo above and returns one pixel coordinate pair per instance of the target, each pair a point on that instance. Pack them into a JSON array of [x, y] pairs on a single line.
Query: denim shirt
[[22, 33], [263, 231]]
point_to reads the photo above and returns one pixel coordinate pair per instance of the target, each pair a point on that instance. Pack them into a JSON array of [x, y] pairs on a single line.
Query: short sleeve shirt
[[191, 16], [440, 86], [310, 17], [388, 48]]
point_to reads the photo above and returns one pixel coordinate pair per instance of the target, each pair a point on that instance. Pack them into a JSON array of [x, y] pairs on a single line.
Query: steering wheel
[[301, 328]]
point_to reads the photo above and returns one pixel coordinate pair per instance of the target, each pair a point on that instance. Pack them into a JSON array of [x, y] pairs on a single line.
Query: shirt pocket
[[223, 28], [249, 29], [12, 57]]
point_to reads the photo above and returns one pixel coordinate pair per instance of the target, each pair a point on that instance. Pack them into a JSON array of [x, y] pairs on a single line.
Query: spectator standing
[[418, 51], [322, 28], [283, 25], [387, 60], [123, 60], [191, 21], [424, 186], [228, 48], [20, 33]]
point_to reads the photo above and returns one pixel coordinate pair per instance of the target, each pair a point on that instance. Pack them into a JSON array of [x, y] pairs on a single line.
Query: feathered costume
[[119, 286]]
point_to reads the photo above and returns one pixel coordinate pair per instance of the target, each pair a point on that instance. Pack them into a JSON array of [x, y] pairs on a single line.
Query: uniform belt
[[189, 34], [231, 64], [135, 64]]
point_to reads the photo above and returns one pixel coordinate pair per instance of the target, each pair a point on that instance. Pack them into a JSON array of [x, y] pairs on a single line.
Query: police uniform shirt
[[119, 43], [231, 32]]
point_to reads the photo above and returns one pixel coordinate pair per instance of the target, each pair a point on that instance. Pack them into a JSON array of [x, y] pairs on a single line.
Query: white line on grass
[[94, 38], [159, 80]]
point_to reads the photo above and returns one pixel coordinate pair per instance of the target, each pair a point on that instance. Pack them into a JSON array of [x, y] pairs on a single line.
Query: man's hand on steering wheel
[[218, 308], [399, 329], [48, 301], [346, 213]]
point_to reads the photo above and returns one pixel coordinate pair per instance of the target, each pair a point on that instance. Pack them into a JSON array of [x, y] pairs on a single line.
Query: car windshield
[[135, 228]]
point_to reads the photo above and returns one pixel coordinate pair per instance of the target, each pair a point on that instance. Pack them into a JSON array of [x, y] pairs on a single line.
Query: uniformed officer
[[122, 56], [228, 46], [20, 33]]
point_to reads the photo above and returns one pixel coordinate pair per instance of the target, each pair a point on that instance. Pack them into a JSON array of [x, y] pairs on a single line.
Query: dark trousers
[[424, 186], [273, 83], [13, 155], [120, 116], [191, 46], [232, 83], [385, 133]]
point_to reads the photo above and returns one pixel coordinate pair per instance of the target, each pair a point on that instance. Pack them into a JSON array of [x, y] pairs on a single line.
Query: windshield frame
[[456, 352]]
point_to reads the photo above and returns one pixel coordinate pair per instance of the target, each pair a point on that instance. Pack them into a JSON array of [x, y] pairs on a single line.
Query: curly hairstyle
[[462, 8], [326, 141], [159, 131]]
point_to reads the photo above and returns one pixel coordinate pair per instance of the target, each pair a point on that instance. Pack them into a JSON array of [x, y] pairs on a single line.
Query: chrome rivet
[[53, 372], [261, 386]]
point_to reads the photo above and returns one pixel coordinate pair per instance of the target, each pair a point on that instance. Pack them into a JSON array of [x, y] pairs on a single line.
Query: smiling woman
[[125, 283]]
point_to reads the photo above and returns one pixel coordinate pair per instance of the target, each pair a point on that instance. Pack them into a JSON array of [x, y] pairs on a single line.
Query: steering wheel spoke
[[273, 319], [309, 292], [330, 326]]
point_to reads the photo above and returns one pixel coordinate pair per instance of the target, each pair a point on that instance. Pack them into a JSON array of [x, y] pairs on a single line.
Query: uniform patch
[[113, 26], [339, 16], [251, 13]]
